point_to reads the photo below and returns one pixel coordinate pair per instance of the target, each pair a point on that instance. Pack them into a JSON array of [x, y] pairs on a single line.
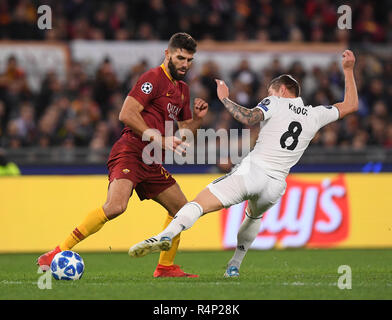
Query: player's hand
[[174, 144], [222, 90], [348, 60], [200, 108], [166, 143]]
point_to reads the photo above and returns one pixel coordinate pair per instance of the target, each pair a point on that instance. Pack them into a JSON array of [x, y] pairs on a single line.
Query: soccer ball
[[67, 265]]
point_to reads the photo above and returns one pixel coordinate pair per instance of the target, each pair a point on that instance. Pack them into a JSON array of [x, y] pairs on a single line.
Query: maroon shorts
[[125, 162]]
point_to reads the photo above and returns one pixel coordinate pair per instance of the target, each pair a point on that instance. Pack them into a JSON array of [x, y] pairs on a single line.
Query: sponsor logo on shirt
[[173, 111]]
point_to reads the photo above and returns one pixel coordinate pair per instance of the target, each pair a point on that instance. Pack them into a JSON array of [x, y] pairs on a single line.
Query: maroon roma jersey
[[162, 98]]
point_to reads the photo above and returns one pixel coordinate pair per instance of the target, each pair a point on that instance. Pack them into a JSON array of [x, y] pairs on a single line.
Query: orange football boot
[[173, 271], [45, 260]]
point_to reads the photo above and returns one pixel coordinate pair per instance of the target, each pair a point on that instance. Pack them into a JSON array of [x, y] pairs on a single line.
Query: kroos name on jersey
[[298, 110]]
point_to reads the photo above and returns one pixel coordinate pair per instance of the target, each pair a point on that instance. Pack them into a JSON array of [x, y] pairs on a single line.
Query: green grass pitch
[[275, 274]]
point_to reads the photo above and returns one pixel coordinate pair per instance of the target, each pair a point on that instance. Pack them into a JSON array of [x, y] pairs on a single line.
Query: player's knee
[[113, 210]]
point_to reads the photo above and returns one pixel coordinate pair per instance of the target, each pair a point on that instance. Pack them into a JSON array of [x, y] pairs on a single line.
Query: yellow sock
[[91, 224], [166, 258]]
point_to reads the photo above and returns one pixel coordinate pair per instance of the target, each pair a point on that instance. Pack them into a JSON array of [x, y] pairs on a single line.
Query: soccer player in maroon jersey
[[159, 95]]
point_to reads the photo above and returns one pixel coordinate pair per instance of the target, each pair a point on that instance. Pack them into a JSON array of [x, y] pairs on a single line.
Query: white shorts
[[248, 181]]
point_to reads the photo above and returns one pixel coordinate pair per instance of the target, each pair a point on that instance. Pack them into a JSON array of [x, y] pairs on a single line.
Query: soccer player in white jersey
[[286, 128]]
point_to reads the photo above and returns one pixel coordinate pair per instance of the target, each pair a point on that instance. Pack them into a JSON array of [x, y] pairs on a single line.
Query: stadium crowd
[[232, 20], [83, 110]]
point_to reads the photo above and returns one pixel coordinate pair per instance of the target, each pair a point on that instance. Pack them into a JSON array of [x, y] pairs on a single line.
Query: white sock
[[183, 220], [246, 235]]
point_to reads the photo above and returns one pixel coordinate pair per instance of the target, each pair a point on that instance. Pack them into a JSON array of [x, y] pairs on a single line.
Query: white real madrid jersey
[[286, 132]]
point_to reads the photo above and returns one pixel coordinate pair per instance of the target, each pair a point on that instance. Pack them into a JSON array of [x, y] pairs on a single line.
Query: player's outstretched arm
[[244, 115], [350, 102]]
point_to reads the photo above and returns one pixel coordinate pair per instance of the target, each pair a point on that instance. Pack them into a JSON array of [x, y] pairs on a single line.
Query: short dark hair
[[182, 40], [288, 81]]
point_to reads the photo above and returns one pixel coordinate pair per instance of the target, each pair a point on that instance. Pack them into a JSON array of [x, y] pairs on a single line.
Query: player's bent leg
[[116, 203], [93, 222], [120, 190], [183, 220], [206, 201], [222, 192]]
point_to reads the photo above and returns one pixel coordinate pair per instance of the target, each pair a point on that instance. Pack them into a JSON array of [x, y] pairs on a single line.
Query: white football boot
[[150, 246]]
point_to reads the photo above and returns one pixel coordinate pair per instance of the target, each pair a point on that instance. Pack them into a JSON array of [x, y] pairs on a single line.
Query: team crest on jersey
[[266, 102], [146, 87]]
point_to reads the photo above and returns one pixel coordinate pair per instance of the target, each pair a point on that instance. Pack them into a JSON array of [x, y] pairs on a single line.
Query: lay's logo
[[311, 214]]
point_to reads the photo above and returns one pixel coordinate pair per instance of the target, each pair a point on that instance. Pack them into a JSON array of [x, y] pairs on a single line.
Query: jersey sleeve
[[326, 114], [145, 89], [185, 113], [268, 106]]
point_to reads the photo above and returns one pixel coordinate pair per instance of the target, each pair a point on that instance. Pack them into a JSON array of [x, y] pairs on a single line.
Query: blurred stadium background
[[61, 91]]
